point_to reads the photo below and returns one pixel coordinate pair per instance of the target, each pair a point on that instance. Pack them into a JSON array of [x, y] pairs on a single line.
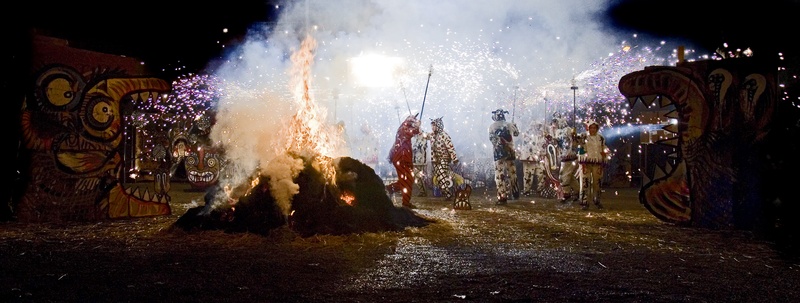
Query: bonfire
[[304, 188]]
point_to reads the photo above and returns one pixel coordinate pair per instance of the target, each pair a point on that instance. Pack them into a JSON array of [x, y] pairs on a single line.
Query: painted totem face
[[202, 167]]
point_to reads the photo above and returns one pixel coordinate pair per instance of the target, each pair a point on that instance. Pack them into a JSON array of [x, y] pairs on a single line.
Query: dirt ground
[[531, 250]]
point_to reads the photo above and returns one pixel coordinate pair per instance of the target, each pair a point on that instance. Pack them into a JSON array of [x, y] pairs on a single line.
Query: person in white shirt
[[592, 157]]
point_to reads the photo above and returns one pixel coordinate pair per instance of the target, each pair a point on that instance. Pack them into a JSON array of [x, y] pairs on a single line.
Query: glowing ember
[[347, 198]]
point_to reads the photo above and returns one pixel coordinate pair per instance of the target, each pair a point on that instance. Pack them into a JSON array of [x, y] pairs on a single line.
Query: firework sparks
[[498, 54]]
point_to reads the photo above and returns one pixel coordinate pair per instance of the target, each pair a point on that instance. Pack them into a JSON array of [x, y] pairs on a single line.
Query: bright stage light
[[375, 70]]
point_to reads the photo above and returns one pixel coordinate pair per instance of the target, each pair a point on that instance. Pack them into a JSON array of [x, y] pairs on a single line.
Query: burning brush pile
[[356, 203], [301, 185]]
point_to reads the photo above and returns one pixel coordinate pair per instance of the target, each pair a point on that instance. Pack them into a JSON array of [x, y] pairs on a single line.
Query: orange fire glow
[[348, 198], [308, 135], [234, 193]]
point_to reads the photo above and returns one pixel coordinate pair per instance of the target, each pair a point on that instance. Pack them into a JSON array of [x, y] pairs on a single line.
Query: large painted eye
[[191, 160], [101, 113], [58, 89], [211, 162], [59, 92], [101, 117]]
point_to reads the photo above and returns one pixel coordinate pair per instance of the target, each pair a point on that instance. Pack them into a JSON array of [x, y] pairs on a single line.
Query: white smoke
[[485, 54], [282, 170]]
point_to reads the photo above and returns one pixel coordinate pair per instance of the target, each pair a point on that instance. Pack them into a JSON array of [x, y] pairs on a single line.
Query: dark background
[[764, 25], [167, 35]]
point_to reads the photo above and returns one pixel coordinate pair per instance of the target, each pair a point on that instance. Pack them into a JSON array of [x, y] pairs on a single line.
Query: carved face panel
[[723, 108], [202, 167]]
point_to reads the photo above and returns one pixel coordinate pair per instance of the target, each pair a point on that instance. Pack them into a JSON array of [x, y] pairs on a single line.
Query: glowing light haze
[[517, 55]]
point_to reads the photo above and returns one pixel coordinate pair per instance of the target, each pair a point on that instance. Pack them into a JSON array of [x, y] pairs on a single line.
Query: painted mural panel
[[73, 137], [725, 111]]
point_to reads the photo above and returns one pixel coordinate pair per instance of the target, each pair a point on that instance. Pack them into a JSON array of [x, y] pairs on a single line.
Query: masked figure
[[568, 175], [532, 155], [402, 158], [443, 153], [501, 135]]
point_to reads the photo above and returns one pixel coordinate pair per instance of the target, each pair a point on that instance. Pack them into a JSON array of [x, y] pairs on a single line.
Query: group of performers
[[408, 155], [557, 162]]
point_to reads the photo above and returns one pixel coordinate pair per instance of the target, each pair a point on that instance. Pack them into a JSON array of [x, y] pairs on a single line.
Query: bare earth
[[531, 250]]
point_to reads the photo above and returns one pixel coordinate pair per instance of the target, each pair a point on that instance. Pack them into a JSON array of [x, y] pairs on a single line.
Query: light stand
[[574, 89]]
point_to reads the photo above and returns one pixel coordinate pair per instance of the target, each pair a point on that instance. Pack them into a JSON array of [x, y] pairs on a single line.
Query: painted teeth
[[146, 195], [144, 96], [649, 100]]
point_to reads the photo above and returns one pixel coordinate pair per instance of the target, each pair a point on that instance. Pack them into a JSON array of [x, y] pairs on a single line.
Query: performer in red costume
[[401, 158]]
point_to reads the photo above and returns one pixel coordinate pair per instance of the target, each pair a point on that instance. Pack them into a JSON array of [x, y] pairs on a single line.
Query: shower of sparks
[[468, 84], [192, 96], [190, 104], [507, 56]]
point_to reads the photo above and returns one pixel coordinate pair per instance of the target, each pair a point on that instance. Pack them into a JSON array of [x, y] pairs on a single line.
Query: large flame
[[308, 135], [305, 139]]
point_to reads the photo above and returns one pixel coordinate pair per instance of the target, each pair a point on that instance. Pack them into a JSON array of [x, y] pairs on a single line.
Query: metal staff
[[397, 108], [404, 96], [574, 89], [430, 71], [514, 106]]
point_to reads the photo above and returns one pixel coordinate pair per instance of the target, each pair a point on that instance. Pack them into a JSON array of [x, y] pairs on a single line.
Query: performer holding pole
[[401, 156]]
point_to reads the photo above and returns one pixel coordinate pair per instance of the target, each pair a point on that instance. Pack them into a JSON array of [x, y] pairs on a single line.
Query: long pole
[[545, 110], [406, 97], [514, 106], [430, 71], [574, 89]]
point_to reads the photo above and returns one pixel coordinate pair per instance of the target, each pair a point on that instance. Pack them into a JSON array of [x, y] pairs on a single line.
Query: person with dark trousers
[[501, 133]]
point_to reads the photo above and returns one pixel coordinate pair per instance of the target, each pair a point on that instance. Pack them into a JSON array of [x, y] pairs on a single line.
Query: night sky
[[767, 26], [165, 34]]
